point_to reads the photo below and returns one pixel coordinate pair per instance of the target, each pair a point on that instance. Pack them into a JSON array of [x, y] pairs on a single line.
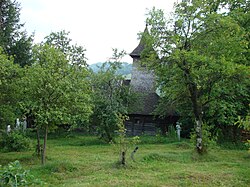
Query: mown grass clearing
[[86, 161]]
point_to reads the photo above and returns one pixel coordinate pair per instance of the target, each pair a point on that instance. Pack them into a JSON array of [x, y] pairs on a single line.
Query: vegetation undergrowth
[[85, 161], [15, 141], [14, 175]]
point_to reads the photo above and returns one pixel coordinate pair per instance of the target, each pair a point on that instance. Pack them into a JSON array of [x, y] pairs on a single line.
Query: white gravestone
[[24, 124], [178, 130], [17, 123], [8, 129]]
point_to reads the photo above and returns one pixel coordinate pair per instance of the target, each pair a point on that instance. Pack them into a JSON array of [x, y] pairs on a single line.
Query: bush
[[14, 175], [172, 133], [208, 140], [123, 142], [15, 141]]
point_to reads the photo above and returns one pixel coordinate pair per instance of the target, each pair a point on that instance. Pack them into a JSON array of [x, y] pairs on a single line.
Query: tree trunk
[[198, 120], [38, 148], [44, 145], [198, 130], [123, 158], [107, 134], [197, 110]]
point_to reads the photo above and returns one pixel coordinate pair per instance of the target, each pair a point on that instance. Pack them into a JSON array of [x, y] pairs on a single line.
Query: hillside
[[125, 70]]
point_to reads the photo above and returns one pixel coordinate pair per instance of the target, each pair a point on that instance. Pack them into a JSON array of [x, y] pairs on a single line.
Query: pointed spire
[[138, 50]]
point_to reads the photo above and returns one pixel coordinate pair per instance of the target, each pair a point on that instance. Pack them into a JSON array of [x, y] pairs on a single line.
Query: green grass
[[86, 161]]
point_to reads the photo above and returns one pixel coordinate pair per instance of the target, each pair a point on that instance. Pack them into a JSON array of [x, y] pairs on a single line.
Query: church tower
[[143, 80], [141, 117], [143, 84]]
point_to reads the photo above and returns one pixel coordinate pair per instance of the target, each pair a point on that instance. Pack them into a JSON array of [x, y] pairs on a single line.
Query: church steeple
[[136, 53], [143, 80], [141, 113]]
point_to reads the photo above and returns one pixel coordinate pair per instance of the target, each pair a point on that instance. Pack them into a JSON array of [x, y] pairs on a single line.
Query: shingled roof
[[142, 82], [145, 104], [138, 50]]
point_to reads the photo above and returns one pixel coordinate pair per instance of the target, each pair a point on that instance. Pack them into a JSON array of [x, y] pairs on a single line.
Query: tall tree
[[74, 53], [200, 51], [55, 91], [13, 39], [110, 97], [10, 92]]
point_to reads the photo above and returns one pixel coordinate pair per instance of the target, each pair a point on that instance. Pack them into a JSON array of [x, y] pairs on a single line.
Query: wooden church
[[141, 118]]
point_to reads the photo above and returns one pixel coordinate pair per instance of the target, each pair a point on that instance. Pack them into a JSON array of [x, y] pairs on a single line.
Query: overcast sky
[[98, 25]]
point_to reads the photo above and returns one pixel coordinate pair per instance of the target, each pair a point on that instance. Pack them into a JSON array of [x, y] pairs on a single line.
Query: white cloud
[[96, 24]]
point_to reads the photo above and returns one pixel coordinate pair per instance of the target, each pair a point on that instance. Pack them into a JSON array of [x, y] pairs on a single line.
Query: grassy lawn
[[86, 161]]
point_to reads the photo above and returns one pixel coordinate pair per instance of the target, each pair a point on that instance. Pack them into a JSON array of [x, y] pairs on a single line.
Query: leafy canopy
[[110, 97], [203, 68], [56, 92], [10, 91], [14, 41]]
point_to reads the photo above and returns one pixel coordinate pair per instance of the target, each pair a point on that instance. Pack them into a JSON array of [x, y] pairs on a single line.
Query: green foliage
[[110, 97], [74, 53], [15, 42], [208, 140], [55, 91], [231, 103], [124, 143], [15, 141], [10, 91], [248, 145], [229, 145], [14, 175], [244, 123], [172, 132], [203, 69]]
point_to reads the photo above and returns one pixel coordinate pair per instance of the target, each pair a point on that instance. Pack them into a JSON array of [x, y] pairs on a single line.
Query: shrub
[[15, 141], [208, 140], [14, 175], [172, 133], [124, 143]]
